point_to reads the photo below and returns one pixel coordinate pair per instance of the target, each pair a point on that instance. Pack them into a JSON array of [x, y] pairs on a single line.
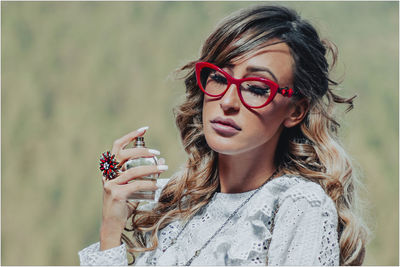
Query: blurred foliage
[[78, 75]]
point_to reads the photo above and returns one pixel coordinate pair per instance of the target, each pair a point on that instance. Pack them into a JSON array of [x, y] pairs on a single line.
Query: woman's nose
[[231, 99]]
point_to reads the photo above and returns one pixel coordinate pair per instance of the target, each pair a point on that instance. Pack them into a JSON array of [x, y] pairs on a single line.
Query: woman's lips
[[224, 130]]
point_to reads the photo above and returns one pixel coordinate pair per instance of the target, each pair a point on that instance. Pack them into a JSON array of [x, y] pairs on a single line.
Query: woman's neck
[[246, 171]]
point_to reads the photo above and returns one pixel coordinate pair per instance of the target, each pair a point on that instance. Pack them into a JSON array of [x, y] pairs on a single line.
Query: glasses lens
[[255, 93], [213, 81]]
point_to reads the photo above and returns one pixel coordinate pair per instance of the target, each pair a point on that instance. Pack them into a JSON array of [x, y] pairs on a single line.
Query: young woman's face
[[259, 127]]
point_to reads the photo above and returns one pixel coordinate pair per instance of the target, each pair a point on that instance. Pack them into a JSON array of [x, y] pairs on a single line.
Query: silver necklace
[[197, 253]]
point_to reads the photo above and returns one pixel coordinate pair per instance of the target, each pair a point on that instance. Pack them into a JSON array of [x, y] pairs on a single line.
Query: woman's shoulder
[[298, 188]]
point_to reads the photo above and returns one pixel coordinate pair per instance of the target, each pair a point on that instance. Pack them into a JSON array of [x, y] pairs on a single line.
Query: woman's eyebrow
[[254, 69], [261, 69]]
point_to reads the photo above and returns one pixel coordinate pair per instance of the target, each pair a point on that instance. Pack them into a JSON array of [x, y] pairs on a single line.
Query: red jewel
[[109, 165], [283, 92]]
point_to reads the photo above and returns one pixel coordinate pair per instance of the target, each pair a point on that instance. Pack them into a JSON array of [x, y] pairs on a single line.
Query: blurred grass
[[78, 75]]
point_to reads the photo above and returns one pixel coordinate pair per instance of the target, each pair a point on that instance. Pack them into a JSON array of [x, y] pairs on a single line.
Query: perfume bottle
[[142, 195]]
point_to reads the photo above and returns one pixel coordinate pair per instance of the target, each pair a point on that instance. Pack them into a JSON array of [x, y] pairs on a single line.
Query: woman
[[266, 181]]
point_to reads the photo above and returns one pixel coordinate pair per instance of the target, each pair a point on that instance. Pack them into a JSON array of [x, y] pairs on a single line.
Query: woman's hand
[[116, 208]]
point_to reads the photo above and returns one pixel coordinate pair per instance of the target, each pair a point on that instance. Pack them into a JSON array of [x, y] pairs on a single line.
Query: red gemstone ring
[[109, 165]]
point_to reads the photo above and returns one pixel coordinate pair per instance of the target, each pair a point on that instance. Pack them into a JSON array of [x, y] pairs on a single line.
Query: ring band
[[109, 165]]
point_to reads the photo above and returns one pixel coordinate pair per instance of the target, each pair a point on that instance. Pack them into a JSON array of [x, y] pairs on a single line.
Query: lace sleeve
[[93, 256], [115, 256], [305, 231]]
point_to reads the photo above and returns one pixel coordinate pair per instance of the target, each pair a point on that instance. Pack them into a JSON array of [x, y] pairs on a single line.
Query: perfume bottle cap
[[139, 141]]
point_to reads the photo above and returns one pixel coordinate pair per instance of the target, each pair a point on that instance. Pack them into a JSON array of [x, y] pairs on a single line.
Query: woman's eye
[[257, 90], [218, 78]]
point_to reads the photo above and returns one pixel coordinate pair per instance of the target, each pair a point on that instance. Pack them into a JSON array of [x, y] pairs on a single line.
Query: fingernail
[[155, 152], [161, 161], [143, 129], [162, 167]]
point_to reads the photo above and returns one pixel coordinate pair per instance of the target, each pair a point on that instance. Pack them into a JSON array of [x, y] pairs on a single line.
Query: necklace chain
[[233, 214]]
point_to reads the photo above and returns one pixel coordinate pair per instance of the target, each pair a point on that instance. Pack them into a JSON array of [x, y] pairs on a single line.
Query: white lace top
[[290, 221]]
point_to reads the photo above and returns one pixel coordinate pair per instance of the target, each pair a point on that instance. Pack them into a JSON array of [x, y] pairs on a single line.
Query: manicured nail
[[161, 161], [143, 129], [162, 167], [155, 152]]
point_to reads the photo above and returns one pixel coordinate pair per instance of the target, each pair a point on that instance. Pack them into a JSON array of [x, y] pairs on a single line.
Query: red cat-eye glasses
[[254, 92]]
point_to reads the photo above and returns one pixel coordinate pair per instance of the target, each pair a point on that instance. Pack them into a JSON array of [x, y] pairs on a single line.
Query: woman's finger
[[139, 171], [126, 139], [134, 153], [135, 189], [121, 193], [136, 186], [138, 152]]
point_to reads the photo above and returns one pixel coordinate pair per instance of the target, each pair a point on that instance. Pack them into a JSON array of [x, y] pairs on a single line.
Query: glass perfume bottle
[[142, 195]]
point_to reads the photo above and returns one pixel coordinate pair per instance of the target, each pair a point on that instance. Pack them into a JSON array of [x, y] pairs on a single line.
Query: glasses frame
[[285, 91]]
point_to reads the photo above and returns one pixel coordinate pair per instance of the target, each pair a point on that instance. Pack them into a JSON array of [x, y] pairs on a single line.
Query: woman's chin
[[225, 147]]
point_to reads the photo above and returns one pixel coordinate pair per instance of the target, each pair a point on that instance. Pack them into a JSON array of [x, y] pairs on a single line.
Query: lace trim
[[93, 256], [328, 254]]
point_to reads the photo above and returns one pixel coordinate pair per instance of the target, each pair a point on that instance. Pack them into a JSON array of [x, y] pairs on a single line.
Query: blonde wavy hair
[[310, 149]]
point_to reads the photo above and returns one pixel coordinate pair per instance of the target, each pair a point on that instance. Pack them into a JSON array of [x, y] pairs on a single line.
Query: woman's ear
[[297, 113]]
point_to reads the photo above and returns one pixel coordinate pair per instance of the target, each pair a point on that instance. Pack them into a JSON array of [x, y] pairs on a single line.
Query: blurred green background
[[78, 75]]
